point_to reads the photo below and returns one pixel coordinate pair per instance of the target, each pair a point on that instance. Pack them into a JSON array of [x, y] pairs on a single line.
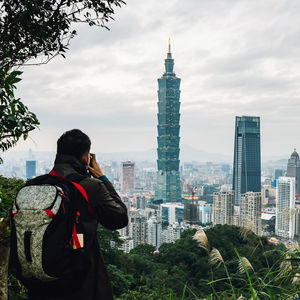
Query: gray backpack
[[47, 234]]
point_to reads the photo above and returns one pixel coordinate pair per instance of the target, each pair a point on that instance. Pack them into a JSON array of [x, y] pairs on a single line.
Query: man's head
[[76, 143]]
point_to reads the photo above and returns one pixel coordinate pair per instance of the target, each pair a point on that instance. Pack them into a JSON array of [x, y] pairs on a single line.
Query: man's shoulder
[[91, 183]]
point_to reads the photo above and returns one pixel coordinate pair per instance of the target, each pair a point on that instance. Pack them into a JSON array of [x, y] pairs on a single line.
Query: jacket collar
[[69, 163]]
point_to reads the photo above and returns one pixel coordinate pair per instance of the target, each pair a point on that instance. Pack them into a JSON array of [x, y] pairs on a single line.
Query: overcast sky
[[234, 57]]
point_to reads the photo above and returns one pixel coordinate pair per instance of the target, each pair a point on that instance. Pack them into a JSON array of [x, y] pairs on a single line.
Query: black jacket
[[112, 214]]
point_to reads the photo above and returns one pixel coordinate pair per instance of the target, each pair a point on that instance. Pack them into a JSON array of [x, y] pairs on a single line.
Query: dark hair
[[74, 142]]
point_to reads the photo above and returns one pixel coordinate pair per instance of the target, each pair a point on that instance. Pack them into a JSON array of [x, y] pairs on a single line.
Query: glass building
[[293, 170], [30, 169], [246, 164], [168, 188]]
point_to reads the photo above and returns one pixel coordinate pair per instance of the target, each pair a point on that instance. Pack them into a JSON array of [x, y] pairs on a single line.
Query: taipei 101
[[149, 150]]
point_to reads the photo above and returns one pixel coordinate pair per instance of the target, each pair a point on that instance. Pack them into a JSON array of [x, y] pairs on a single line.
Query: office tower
[[168, 186], [297, 223], [30, 169], [137, 228], [127, 176], [250, 211], [293, 170], [141, 202], [223, 208], [297, 216], [285, 207], [172, 212], [278, 173], [191, 215], [154, 229], [205, 212], [107, 170], [246, 165]]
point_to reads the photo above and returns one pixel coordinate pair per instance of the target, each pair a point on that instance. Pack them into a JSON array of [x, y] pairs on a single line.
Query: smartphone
[[90, 163], [91, 159]]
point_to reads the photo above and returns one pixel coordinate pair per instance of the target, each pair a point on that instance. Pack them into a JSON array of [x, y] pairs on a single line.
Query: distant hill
[[187, 154]]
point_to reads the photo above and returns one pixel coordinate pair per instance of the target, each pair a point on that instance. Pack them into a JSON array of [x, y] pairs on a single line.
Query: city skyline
[[232, 62]]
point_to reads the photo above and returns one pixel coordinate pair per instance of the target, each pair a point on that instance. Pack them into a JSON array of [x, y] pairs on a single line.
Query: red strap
[[75, 238], [49, 213], [80, 189]]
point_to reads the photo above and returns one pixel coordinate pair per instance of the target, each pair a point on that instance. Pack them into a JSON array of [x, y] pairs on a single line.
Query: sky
[[234, 57]]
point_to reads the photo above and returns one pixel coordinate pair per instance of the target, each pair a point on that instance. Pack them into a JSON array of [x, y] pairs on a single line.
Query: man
[[73, 156]]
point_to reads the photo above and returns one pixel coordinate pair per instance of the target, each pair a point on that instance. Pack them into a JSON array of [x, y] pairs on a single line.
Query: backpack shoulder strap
[[78, 187]]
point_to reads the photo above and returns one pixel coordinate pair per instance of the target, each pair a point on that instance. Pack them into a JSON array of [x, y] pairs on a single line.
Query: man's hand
[[94, 168]]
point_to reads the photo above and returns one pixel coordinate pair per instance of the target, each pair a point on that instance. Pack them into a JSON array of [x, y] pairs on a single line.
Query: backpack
[[47, 240]]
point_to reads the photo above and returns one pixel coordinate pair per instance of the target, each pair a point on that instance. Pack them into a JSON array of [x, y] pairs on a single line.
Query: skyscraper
[[127, 176], [246, 165], [168, 186], [285, 207], [293, 170], [30, 169]]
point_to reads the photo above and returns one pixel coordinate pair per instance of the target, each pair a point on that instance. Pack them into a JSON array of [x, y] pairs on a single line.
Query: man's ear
[[86, 159]]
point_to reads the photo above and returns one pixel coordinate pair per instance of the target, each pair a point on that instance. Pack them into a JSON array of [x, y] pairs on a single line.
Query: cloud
[[234, 58]]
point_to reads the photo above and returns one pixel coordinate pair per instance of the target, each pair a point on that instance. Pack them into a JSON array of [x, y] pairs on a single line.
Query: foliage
[[16, 291], [41, 27], [109, 239], [143, 250], [16, 120], [183, 270], [8, 190]]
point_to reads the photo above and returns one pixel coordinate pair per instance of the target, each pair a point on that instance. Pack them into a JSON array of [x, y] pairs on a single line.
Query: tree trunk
[[4, 258]]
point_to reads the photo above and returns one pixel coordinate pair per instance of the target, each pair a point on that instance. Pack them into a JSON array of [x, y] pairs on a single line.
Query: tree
[[31, 29], [143, 250], [15, 118], [120, 282], [8, 190]]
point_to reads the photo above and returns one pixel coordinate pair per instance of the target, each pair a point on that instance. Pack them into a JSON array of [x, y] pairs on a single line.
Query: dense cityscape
[[165, 198]]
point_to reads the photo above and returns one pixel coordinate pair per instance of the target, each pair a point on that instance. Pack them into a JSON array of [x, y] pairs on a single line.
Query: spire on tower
[[169, 54]]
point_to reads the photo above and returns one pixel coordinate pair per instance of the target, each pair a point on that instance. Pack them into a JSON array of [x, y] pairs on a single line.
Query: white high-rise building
[[127, 244], [250, 211], [171, 234], [154, 229], [223, 208], [137, 228], [285, 207]]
